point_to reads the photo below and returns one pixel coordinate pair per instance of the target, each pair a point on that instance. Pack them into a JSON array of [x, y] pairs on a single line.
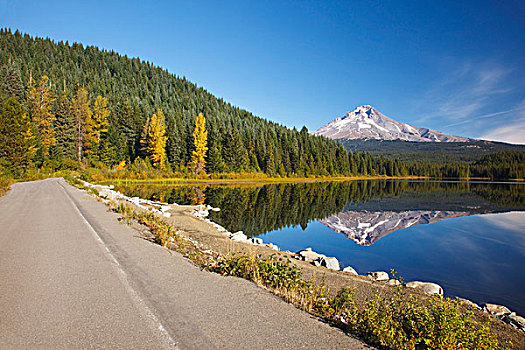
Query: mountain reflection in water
[[365, 228], [364, 211], [472, 243]]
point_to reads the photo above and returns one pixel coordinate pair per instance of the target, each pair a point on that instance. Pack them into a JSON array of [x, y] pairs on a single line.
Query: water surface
[[468, 237]]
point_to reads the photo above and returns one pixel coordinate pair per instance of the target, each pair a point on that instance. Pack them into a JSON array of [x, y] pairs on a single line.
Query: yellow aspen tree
[[200, 141], [82, 113], [155, 139], [96, 125], [40, 101]]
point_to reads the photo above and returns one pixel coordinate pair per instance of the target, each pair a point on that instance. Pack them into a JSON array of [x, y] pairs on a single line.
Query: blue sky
[[454, 66]]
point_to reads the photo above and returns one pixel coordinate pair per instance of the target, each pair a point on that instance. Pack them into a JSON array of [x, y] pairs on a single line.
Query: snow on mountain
[[365, 122], [367, 227]]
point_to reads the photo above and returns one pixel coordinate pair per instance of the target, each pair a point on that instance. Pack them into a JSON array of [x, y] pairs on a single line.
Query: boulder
[[272, 246], [378, 275], [350, 270], [239, 237], [256, 241], [494, 309], [515, 321], [427, 287], [309, 255], [209, 207], [393, 282], [329, 262]]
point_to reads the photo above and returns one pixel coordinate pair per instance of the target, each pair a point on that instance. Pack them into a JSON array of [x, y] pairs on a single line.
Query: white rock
[[498, 310], [165, 208], [393, 282], [272, 246], [427, 287], [309, 255], [239, 236], [350, 270], [378, 275], [329, 262], [256, 241]]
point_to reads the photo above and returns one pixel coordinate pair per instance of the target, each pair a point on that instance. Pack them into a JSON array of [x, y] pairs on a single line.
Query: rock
[[272, 246], [468, 303], [350, 270], [201, 213], [498, 310], [392, 282], [515, 320], [209, 207], [309, 255], [329, 262], [427, 287], [378, 275], [256, 241], [239, 237]]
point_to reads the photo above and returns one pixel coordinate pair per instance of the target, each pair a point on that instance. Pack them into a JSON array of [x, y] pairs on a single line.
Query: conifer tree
[[200, 142], [215, 163], [40, 101], [234, 152], [17, 142], [65, 127], [173, 143], [11, 84], [154, 139]]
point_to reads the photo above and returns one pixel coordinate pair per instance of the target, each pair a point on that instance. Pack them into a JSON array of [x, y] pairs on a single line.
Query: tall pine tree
[[17, 143]]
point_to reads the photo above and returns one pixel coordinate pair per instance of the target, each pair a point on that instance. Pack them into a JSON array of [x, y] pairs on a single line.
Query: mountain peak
[[366, 122]]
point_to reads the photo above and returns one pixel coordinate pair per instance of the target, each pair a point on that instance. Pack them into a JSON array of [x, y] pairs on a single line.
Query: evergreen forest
[[69, 106]]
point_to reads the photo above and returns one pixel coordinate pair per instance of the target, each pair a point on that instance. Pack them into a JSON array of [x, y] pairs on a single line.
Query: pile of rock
[[506, 315], [318, 259], [107, 193]]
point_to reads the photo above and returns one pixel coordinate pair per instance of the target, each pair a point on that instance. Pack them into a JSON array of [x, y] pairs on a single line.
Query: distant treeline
[[68, 105], [433, 152]]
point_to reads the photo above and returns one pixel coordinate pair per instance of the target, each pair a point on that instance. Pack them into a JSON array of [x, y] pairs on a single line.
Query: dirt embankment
[[208, 237]]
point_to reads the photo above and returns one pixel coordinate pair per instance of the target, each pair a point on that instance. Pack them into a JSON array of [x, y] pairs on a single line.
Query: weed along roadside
[[386, 315]]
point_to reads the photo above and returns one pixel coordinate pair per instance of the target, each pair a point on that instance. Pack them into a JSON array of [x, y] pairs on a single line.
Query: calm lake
[[467, 236]]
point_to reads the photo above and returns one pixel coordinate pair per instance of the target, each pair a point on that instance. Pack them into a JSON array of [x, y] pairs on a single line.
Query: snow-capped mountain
[[365, 122], [367, 227]]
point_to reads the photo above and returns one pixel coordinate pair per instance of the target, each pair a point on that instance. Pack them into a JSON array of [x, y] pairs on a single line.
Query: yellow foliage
[[96, 124], [40, 104], [200, 140], [82, 112], [121, 165], [155, 139]]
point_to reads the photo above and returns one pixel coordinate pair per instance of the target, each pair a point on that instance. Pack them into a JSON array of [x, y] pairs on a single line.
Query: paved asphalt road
[[72, 276]]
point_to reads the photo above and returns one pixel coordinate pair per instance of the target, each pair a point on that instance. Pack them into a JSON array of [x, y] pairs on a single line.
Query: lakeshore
[[191, 222]]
